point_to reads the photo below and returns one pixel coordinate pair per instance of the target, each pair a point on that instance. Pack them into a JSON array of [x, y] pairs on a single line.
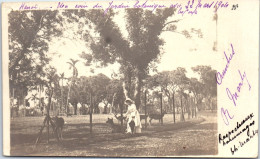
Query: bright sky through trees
[[176, 52]]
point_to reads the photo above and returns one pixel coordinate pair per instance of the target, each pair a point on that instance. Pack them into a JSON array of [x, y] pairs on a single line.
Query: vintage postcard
[[137, 78]]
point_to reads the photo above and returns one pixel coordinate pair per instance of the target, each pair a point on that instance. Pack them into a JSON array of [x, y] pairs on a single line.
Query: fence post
[[91, 109]]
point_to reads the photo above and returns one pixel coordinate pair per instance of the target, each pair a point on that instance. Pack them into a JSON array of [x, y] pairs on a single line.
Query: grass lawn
[[79, 142]]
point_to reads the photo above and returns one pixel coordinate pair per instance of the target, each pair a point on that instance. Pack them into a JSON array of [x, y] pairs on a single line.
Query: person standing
[[132, 114]]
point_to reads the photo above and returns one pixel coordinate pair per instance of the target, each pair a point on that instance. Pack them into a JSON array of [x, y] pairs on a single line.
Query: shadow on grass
[[78, 137]]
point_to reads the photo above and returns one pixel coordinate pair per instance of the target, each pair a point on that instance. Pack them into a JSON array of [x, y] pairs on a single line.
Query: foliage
[[133, 52], [115, 94], [136, 49], [168, 81], [84, 87], [29, 33], [209, 85], [207, 77]]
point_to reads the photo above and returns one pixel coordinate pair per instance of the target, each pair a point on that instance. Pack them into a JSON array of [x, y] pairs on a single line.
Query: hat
[[128, 100]]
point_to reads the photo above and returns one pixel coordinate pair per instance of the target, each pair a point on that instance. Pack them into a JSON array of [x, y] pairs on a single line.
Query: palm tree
[[72, 64], [34, 98], [62, 78], [40, 89]]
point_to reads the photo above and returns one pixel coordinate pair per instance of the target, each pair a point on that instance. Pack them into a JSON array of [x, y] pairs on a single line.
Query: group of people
[[132, 115]]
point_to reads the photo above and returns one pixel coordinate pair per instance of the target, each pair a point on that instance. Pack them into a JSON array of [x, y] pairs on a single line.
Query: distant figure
[[132, 115]]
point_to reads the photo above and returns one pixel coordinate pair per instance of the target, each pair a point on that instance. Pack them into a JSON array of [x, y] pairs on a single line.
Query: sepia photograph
[[130, 82]]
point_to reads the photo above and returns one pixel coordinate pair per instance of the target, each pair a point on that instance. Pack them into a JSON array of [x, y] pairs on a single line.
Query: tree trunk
[[61, 95], [126, 92], [40, 97], [182, 114], [121, 112], [113, 100], [173, 107], [137, 88], [196, 105], [161, 103], [137, 93], [48, 112], [90, 112], [145, 108], [75, 109], [188, 106], [40, 133], [211, 105], [129, 82], [192, 108], [167, 107], [67, 104]]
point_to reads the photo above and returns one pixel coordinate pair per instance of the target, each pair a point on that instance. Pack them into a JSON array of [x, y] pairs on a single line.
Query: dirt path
[[198, 139]]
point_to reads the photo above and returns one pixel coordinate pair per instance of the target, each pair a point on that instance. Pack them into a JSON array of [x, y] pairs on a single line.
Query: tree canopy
[[134, 50], [29, 33]]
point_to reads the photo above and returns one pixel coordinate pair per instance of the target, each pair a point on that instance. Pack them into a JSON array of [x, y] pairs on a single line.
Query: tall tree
[[75, 97], [62, 77], [51, 83], [134, 52], [162, 82], [135, 49], [72, 64], [98, 85], [116, 96], [207, 77], [29, 33], [84, 92], [197, 88], [169, 82]]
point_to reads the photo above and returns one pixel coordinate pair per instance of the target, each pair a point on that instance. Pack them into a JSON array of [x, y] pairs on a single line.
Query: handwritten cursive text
[[220, 76], [236, 131], [234, 96]]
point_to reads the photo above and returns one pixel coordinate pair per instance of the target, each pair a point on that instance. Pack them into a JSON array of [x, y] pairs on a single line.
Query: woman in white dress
[[132, 114]]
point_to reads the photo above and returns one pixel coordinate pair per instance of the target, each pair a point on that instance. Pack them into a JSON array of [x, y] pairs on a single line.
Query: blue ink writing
[[27, 7], [220, 76], [234, 96], [226, 116], [145, 5], [97, 6], [220, 4], [188, 9], [175, 5], [111, 6], [61, 5], [207, 5], [81, 6], [189, 5]]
